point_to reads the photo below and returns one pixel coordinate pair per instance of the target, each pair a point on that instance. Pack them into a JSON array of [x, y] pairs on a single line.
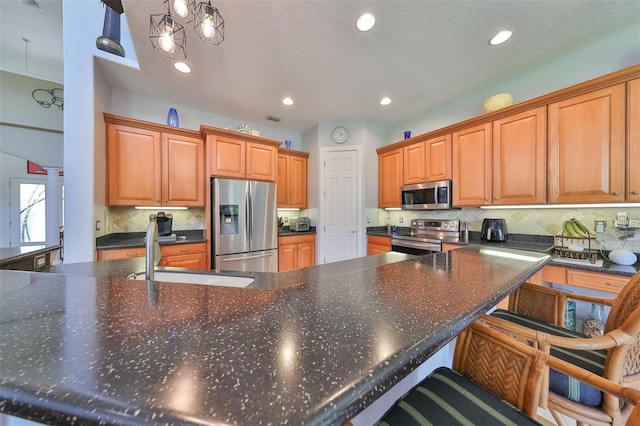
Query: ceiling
[[421, 54]]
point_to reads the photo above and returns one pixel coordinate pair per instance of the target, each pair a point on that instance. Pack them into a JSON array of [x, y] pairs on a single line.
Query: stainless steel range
[[426, 236]]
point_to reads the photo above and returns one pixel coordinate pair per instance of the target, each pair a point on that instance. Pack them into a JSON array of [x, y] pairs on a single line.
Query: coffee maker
[[494, 230], [165, 222]]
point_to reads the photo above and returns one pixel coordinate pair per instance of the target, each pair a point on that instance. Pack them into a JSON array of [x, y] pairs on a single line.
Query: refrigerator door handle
[[232, 259], [249, 216]]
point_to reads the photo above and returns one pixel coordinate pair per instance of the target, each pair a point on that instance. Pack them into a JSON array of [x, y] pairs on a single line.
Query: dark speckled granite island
[[312, 346]]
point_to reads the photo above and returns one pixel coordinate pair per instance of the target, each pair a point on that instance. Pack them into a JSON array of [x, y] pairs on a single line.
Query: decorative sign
[[37, 169]]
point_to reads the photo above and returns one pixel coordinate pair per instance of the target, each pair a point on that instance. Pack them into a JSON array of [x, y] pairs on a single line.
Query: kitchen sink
[[201, 279]]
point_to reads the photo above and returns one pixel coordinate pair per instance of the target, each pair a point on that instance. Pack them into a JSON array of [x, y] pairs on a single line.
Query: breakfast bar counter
[[310, 346]]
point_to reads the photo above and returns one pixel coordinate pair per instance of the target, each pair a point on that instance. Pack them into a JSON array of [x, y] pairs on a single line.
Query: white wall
[[595, 58], [134, 105]]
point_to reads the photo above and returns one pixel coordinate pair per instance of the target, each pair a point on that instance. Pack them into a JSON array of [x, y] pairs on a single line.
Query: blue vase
[[172, 118]]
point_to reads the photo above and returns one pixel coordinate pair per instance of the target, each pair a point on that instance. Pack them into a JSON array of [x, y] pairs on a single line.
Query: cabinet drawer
[[125, 253], [309, 238], [179, 249], [376, 239], [595, 281]]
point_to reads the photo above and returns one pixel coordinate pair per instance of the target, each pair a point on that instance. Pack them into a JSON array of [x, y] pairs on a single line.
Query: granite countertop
[[11, 254], [310, 346], [537, 243], [136, 239]]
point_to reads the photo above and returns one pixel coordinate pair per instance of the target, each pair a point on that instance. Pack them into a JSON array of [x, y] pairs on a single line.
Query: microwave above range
[[427, 196]]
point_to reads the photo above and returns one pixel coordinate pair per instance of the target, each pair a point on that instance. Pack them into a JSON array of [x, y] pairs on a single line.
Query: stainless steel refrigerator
[[244, 224]]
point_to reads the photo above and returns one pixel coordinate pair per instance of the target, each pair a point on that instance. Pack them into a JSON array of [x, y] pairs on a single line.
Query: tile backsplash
[[531, 221], [128, 219]]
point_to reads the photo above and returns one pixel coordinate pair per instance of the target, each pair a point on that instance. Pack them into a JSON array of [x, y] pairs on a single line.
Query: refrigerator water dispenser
[[229, 219]]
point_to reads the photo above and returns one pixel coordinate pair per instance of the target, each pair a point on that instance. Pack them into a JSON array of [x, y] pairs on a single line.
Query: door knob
[[353, 231]]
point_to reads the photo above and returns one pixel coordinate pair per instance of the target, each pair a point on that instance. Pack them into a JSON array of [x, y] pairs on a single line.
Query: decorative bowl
[[496, 102]]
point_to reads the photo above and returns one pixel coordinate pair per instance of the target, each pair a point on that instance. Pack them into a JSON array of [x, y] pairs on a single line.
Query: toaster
[[299, 223]]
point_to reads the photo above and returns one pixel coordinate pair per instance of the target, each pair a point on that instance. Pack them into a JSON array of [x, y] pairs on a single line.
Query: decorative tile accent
[[531, 221], [128, 219]]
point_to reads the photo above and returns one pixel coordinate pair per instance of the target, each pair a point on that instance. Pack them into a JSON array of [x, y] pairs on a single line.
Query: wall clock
[[340, 134]]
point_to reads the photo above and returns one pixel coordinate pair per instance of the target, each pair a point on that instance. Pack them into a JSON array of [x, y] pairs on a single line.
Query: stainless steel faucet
[[153, 254]]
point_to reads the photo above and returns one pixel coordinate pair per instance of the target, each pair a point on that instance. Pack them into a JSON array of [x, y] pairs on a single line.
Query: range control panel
[[435, 225]]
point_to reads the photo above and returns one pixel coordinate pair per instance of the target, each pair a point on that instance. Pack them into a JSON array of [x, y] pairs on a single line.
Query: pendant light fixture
[[209, 24], [168, 36]]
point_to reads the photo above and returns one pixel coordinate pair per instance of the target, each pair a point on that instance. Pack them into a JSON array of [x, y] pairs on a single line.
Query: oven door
[[415, 247]]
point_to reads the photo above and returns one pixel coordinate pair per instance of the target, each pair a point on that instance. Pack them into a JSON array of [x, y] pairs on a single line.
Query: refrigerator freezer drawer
[[257, 261]]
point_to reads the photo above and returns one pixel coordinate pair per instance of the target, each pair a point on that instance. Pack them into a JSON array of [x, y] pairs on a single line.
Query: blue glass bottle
[[172, 118]]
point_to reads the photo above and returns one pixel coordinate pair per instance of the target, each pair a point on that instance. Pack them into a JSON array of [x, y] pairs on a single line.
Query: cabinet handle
[[616, 193], [486, 198], [184, 250], [496, 198], [636, 192]]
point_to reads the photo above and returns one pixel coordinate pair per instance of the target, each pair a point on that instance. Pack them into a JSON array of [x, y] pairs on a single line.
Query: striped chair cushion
[[447, 398], [559, 383]]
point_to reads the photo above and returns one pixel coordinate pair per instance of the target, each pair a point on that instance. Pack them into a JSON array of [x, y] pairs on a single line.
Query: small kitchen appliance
[[494, 230], [165, 223], [299, 224]]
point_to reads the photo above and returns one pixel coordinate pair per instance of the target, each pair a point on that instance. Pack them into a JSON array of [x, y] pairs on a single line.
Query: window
[[33, 221]]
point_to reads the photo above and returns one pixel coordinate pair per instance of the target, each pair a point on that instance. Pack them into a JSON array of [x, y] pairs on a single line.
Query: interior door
[[340, 212]]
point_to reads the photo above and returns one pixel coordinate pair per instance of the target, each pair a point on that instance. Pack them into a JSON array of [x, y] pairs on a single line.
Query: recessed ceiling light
[[287, 101], [365, 22], [385, 101], [182, 67], [500, 37]]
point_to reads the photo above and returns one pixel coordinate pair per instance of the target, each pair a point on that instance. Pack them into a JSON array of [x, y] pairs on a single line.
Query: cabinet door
[[133, 166], [261, 162], [182, 171], [586, 162], [125, 253], [377, 244], [414, 167], [633, 137], [298, 182], [283, 180], [390, 176], [520, 158], [227, 157], [472, 166], [190, 261], [306, 254], [287, 257], [438, 163]]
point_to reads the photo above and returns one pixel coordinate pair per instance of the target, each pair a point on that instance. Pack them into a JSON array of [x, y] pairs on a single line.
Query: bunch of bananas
[[577, 229]]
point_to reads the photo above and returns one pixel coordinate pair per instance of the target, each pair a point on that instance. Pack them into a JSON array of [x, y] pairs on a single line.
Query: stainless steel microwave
[[427, 196]]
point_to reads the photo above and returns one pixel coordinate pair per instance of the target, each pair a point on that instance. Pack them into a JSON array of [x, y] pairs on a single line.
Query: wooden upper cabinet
[[227, 157], [414, 167], [472, 158], [427, 161], [149, 167], [182, 171], [586, 147], [520, 158], [438, 162], [238, 158], [390, 178], [261, 161], [133, 166], [633, 140], [292, 179]]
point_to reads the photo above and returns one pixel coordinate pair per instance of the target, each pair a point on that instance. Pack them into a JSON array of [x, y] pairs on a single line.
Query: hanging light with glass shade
[[209, 24], [184, 10], [168, 36]]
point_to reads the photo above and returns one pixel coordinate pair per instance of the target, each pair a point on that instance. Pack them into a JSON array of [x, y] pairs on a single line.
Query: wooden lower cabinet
[[377, 244], [192, 256], [296, 251], [589, 280]]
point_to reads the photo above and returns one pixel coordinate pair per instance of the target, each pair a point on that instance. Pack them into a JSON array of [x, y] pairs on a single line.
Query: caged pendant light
[[167, 35], [209, 24]]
